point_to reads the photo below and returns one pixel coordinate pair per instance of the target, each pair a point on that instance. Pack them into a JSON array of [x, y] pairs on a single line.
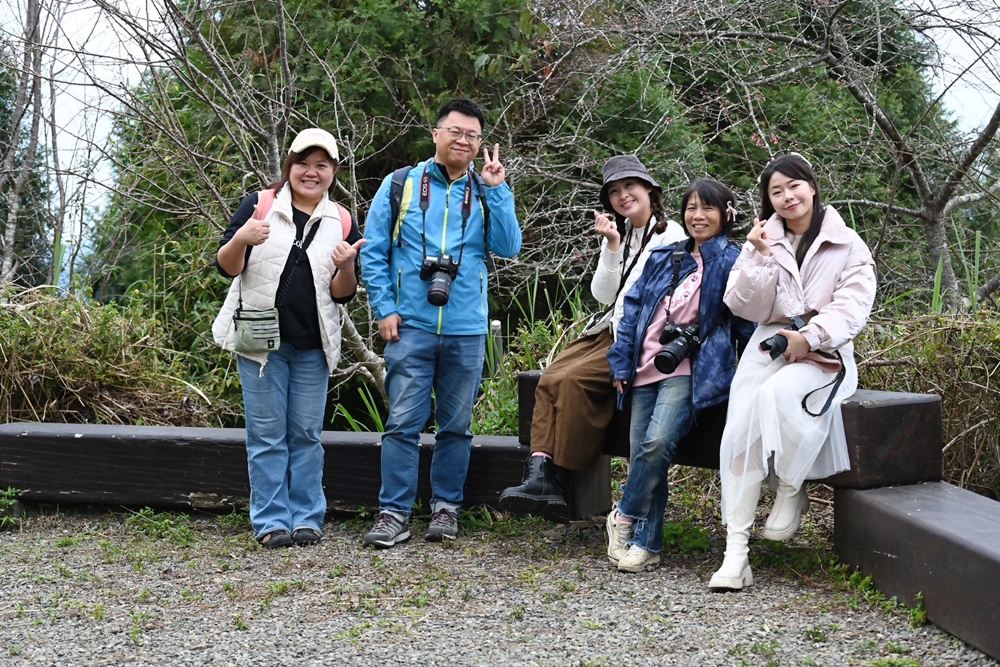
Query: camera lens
[[776, 345], [671, 356], [440, 288]]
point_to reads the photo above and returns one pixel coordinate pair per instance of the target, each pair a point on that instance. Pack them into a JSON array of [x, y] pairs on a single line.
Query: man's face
[[456, 153]]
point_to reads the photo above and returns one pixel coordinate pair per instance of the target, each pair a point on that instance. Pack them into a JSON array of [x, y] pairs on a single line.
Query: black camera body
[[777, 344], [440, 271], [678, 344]]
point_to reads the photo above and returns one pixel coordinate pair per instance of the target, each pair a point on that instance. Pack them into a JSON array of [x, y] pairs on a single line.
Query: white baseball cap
[[315, 137]]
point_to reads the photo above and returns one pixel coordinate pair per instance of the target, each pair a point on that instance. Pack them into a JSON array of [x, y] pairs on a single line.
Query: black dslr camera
[[440, 271], [678, 344], [777, 344]]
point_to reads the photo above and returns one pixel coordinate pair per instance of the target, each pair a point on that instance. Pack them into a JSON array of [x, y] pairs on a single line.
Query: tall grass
[[69, 359], [530, 347]]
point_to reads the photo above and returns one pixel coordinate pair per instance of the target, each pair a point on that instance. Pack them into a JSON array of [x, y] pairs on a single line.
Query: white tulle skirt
[[766, 418]]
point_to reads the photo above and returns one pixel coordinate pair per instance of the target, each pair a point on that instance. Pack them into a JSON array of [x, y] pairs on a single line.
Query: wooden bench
[[931, 543], [892, 439], [915, 537], [175, 467]]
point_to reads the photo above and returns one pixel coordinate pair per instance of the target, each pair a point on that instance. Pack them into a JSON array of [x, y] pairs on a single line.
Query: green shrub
[[531, 347]]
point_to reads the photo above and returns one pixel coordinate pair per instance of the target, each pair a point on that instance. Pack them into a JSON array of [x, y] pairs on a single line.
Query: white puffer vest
[[259, 280]]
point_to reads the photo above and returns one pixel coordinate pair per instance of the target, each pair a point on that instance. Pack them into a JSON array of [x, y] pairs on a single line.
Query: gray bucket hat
[[621, 167]]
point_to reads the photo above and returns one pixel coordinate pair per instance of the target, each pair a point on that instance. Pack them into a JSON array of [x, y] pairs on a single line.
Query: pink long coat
[[836, 285]]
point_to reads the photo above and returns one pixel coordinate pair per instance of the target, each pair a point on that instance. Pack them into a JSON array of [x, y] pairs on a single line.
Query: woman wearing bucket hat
[[574, 401], [292, 253]]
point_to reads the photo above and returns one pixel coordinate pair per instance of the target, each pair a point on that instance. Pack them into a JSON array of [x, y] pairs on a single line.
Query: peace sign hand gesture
[[493, 172]]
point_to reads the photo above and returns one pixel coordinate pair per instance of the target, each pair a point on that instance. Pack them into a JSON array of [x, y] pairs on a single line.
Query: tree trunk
[[33, 69], [937, 241]]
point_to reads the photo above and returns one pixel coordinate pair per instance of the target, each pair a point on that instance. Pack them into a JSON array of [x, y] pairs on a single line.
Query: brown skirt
[[574, 403]]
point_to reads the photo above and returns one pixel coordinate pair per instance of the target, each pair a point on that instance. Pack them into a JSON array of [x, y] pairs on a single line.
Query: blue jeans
[[662, 414], [284, 414], [416, 364]]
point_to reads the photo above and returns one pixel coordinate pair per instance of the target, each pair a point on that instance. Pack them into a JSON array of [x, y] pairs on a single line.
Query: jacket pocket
[[483, 300]]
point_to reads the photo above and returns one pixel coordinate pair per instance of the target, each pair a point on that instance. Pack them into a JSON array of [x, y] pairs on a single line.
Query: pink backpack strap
[[265, 198], [345, 221]]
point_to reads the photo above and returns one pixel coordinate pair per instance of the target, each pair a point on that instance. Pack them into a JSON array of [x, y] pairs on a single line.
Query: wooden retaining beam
[[934, 544], [207, 467]]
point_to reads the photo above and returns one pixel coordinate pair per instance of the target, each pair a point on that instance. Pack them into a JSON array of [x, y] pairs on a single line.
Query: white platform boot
[[735, 572], [789, 506]]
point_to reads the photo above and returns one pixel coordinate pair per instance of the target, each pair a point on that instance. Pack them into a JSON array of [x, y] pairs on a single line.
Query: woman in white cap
[[292, 249], [575, 401]]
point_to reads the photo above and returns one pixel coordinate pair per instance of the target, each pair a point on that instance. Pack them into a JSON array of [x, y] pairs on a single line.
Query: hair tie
[[730, 210]]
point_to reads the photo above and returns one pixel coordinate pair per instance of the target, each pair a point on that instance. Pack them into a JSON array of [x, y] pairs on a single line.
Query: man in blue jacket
[[426, 278]]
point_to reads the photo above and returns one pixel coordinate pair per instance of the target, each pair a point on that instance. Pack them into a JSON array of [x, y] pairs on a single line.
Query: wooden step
[[933, 542]]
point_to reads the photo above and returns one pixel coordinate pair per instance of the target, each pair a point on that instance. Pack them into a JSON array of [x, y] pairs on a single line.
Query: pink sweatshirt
[[836, 281], [684, 305]]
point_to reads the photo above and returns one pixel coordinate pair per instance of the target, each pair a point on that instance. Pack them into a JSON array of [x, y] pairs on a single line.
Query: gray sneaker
[[444, 526], [388, 531]]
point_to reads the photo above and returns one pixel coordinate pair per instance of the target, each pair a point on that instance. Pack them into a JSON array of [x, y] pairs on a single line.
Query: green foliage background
[[565, 86]]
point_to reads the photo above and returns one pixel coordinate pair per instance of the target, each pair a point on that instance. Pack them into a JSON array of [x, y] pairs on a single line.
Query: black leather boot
[[540, 493]]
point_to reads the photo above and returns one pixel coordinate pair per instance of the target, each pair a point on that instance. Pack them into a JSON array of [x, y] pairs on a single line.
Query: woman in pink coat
[[801, 268]]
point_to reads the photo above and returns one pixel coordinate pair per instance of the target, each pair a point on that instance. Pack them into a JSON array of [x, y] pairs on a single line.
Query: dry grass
[[71, 360]]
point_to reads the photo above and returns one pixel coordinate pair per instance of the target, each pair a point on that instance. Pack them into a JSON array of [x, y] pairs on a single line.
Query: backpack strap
[[265, 198], [395, 201], [345, 221]]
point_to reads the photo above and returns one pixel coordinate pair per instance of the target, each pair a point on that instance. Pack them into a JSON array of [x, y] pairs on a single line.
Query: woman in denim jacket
[[677, 300]]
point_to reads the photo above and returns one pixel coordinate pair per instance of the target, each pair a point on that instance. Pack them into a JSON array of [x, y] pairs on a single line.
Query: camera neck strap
[[676, 258], [425, 203], [646, 236], [835, 382]]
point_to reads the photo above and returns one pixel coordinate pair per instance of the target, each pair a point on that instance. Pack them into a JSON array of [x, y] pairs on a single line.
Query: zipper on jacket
[[444, 249], [444, 225], [399, 284]]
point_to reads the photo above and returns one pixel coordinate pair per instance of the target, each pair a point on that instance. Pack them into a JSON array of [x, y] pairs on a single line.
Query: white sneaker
[[618, 536], [638, 559]]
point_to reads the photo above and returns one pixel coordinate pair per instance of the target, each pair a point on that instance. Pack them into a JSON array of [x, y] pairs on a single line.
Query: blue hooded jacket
[[723, 335], [392, 279]]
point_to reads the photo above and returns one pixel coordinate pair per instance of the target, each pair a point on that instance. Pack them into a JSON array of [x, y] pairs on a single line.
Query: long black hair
[[796, 167]]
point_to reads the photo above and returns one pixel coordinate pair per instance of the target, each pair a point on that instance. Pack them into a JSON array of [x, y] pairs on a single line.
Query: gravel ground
[[140, 588]]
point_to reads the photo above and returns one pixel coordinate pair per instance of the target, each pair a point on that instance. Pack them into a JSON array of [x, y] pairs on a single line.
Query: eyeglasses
[[456, 134]]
